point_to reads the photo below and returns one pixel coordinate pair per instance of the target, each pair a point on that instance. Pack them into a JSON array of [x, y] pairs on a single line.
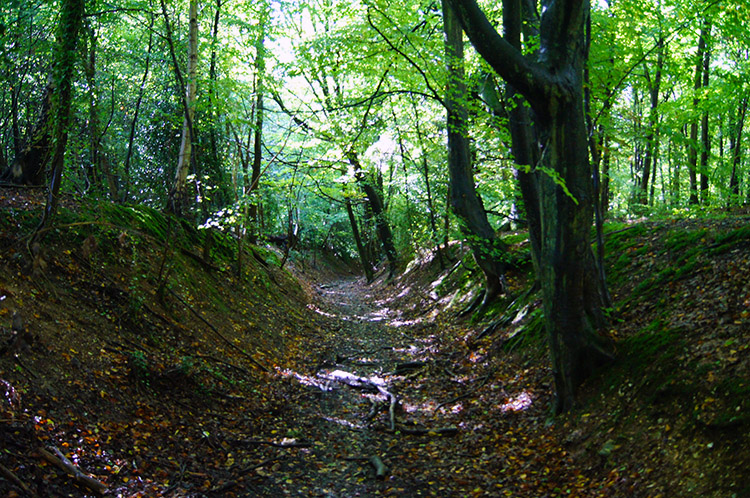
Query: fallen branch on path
[[364, 383], [69, 468]]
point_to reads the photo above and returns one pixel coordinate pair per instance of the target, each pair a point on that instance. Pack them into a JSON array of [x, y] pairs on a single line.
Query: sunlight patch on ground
[[349, 378], [517, 403], [378, 315], [344, 422], [305, 380], [320, 311], [404, 323], [427, 407]]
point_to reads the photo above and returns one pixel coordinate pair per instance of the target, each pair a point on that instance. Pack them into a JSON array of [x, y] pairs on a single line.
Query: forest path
[[341, 390]]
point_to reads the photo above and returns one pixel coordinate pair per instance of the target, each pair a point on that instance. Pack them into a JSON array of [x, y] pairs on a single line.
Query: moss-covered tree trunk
[[71, 18], [487, 249]]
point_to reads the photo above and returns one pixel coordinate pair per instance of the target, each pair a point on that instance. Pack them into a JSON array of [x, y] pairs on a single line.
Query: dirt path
[[345, 429]]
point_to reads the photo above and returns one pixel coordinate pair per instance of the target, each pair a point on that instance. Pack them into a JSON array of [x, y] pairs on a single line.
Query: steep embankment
[[136, 342]]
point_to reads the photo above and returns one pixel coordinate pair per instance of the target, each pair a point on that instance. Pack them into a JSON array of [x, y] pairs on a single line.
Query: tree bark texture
[[375, 202], [553, 85], [71, 18], [466, 203], [178, 195]]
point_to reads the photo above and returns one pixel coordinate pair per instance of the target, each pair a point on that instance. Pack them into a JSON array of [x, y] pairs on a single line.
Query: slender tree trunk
[[14, 118], [735, 154], [428, 189], [694, 145], [260, 70], [652, 134], [378, 211], [466, 203], [675, 176], [100, 170], [178, 195], [366, 265], [604, 196], [705, 131], [136, 111], [212, 88]]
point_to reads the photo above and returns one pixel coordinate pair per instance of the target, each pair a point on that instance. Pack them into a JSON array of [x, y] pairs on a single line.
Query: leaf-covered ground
[[141, 357]]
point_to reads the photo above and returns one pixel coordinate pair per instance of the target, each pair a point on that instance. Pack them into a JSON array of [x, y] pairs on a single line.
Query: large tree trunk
[[466, 203], [524, 144], [554, 88], [71, 17]]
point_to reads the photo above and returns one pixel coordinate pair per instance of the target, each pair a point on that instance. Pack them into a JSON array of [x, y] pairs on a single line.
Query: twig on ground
[[418, 431], [68, 467]]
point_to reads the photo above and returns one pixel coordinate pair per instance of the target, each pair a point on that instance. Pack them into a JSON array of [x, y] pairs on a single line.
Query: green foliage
[[529, 335], [724, 242], [140, 367]]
